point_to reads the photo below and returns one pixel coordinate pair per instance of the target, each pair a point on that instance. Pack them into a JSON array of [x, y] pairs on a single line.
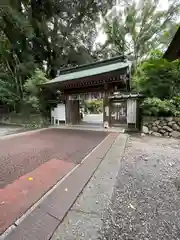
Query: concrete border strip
[[35, 205]]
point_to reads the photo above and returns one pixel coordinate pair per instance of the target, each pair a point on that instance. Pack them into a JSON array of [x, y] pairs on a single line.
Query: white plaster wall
[[59, 112]]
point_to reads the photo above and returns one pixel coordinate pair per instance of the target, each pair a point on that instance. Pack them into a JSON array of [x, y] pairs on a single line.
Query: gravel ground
[[22, 154], [145, 204], [6, 129]]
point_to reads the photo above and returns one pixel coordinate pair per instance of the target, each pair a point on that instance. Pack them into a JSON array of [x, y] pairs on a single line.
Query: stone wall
[[163, 126], [29, 121]]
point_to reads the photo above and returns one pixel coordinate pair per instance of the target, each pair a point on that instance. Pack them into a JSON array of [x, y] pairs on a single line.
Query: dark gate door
[[118, 113]]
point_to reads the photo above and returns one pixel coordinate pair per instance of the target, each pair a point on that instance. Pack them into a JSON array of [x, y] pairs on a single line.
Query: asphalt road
[[22, 154]]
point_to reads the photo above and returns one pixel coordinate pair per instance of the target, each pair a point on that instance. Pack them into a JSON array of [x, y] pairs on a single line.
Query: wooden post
[[72, 111], [75, 111], [138, 115], [78, 112], [68, 109], [110, 112]]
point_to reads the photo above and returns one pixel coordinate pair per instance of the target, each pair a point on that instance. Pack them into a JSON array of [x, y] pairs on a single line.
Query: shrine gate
[[96, 80]]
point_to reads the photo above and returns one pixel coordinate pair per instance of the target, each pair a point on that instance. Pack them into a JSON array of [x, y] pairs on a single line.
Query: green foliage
[[176, 102], [31, 98], [6, 93], [156, 54], [137, 27], [157, 107], [32, 84], [47, 35], [158, 78], [94, 106]]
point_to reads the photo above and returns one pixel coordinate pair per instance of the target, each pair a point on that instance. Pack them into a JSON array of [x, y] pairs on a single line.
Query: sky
[[101, 38], [163, 4]]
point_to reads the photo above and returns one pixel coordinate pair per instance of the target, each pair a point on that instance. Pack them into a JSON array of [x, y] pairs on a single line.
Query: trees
[[32, 91], [44, 34], [54, 32], [51, 34], [159, 80], [136, 27], [16, 60]]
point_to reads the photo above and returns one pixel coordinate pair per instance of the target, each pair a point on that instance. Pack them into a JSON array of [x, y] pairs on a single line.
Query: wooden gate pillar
[[72, 111], [76, 112], [68, 110]]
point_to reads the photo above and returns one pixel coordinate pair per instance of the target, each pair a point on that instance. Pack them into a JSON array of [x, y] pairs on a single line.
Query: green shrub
[[94, 106], [161, 108], [32, 103], [158, 78]]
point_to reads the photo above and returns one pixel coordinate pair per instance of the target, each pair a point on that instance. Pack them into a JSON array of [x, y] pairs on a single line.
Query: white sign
[[131, 110], [107, 111]]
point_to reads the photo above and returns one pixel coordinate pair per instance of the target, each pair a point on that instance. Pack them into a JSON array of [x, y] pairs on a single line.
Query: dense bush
[[159, 80], [158, 107], [31, 99]]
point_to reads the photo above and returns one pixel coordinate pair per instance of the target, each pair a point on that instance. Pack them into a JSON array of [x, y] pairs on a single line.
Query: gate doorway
[[92, 112], [89, 110], [118, 113]]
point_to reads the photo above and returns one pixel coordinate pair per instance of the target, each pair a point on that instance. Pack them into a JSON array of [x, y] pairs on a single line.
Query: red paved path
[[22, 154], [18, 197], [30, 155]]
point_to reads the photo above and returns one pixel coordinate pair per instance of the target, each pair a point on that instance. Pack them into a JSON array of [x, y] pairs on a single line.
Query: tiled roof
[[92, 69]]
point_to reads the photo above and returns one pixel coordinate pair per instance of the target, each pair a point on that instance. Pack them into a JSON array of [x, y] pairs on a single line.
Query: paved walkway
[[84, 220], [42, 219], [145, 203], [22, 154], [31, 163], [96, 119]]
